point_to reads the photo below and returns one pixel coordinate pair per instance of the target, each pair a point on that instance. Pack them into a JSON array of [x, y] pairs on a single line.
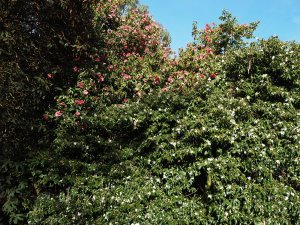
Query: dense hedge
[[210, 137]]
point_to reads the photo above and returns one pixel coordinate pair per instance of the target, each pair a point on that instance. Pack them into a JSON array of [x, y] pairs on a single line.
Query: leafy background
[[100, 124]]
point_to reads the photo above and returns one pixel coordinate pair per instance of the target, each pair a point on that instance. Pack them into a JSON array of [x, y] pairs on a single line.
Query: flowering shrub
[[208, 137]]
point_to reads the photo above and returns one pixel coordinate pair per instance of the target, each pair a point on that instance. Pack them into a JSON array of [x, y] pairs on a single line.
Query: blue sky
[[277, 17]]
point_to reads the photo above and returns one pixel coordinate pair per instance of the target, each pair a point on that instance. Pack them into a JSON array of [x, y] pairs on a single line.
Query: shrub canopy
[[117, 131]]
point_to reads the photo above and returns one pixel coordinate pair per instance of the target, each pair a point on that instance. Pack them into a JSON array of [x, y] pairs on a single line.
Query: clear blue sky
[[277, 17]]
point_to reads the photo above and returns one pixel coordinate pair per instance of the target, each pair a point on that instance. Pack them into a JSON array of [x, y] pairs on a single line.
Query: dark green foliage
[[38, 42], [221, 155]]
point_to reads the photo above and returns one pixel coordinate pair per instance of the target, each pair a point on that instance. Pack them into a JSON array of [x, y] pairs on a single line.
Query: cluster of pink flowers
[[126, 76], [131, 47], [79, 102]]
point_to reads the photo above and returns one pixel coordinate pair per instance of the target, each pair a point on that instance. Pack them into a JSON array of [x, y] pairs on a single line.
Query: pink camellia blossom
[[85, 92], [101, 78], [202, 76], [201, 56], [209, 50], [45, 117], [80, 85], [75, 69], [110, 67], [126, 76], [62, 104], [165, 89], [79, 102], [50, 75], [77, 114], [58, 114]]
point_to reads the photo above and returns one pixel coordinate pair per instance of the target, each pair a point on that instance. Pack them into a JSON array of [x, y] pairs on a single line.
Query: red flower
[[97, 59], [125, 100], [58, 114], [156, 80], [202, 76], [80, 85], [79, 102], [213, 75]]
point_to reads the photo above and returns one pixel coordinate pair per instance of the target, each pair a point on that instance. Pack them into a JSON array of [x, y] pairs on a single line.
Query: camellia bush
[[141, 137]]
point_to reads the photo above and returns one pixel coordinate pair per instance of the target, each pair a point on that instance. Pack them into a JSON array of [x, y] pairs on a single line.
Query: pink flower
[[45, 117], [85, 92], [77, 114], [170, 79], [101, 78], [79, 102], [126, 76], [125, 100], [50, 75], [63, 104], [110, 67], [75, 69], [97, 59], [80, 85], [58, 114], [209, 50], [202, 56]]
